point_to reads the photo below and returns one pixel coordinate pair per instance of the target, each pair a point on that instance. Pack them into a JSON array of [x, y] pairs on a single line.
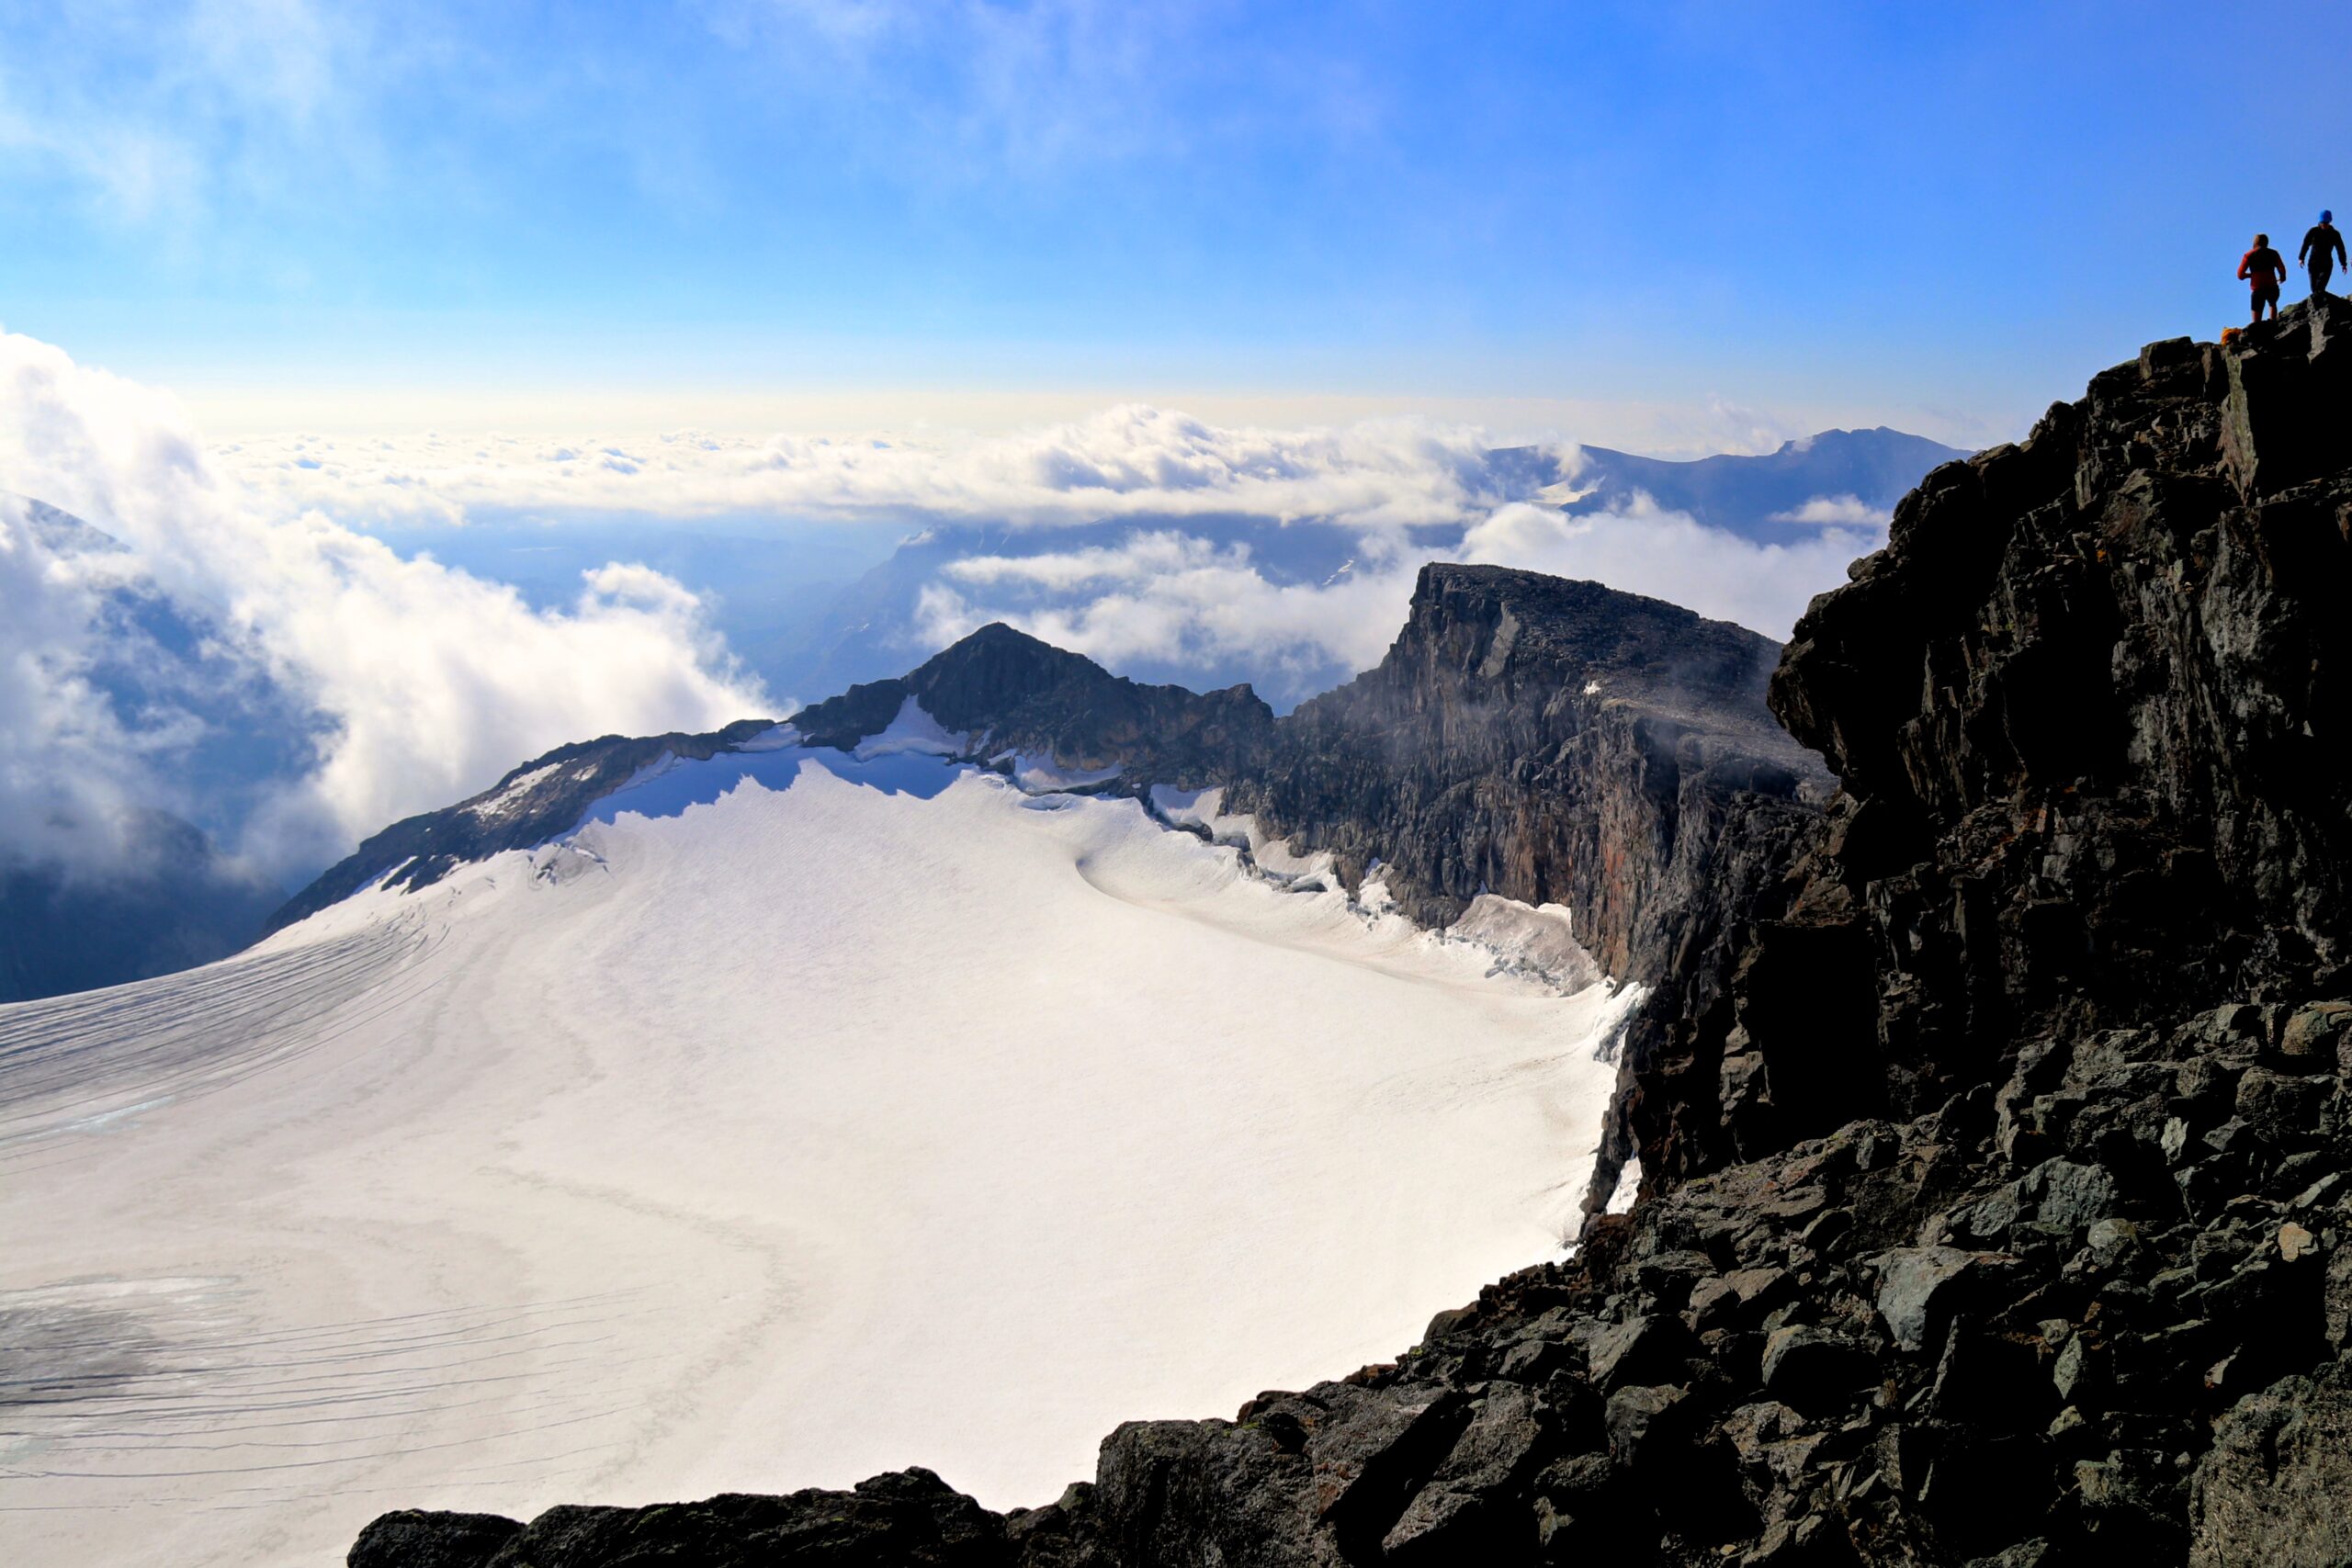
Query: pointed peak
[[1005, 658]]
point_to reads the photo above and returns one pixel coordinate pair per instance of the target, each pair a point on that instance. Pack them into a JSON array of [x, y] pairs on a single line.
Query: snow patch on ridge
[[1629, 1186], [1039, 772], [1528, 938], [914, 733], [775, 738], [508, 799], [1202, 810]]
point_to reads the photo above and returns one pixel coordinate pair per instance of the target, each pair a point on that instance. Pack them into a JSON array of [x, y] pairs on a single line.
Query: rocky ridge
[[1995, 1124], [1545, 741], [542, 799]]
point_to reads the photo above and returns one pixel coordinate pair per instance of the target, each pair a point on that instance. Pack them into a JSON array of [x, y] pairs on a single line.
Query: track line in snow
[[79, 1066]]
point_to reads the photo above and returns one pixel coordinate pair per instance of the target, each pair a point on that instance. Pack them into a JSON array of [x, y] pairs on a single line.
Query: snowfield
[[801, 1116]]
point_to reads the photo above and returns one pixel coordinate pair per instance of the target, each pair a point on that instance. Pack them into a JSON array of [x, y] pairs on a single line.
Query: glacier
[[800, 1115]]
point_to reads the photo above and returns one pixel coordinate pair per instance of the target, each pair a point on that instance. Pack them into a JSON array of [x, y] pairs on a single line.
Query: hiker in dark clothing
[[2323, 248], [2265, 269]]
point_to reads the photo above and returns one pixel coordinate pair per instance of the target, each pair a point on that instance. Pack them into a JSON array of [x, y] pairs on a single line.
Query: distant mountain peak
[[1761, 497]]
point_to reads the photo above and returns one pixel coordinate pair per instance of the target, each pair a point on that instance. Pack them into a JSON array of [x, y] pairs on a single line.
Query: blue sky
[[1943, 217]]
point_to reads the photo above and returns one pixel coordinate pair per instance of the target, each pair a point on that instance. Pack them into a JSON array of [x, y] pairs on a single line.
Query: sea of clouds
[[1162, 594], [428, 681]]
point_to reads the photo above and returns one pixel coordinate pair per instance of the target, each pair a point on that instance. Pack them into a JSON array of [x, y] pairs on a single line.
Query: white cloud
[[156, 111], [1140, 557], [69, 772], [1173, 599], [433, 682], [1162, 593], [1841, 510], [1127, 461]]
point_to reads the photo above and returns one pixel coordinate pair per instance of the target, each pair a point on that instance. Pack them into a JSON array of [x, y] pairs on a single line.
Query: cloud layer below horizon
[[1163, 595], [429, 681], [1130, 460]]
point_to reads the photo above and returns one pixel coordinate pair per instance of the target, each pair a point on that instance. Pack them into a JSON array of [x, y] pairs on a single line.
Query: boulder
[[412, 1538], [1640, 1350], [1918, 1287], [1476, 1502], [1643, 1420]]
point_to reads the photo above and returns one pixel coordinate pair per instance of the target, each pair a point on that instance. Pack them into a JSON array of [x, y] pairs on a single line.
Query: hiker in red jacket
[[2265, 269], [2323, 249]]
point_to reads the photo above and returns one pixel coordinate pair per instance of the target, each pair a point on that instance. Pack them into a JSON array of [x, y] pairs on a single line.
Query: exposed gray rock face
[[2081, 708], [1549, 740], [1995, 1125]]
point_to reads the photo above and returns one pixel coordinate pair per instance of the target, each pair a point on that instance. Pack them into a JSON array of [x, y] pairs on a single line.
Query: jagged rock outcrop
[[1995, 1125], [1549, 740], [2081, 706]]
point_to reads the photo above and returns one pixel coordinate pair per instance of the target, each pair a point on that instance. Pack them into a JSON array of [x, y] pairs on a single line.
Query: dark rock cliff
[[1994, 1124], [1549, 740], [2083, 707]]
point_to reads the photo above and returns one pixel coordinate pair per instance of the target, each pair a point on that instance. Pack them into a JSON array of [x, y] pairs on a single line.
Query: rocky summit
[[1993, 1122]]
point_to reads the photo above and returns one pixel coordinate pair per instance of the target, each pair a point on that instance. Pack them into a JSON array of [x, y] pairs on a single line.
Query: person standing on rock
[[2323, 249], [2265, 269]]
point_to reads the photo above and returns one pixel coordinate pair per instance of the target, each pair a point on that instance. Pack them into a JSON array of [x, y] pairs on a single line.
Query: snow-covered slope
[[804, 1114]]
